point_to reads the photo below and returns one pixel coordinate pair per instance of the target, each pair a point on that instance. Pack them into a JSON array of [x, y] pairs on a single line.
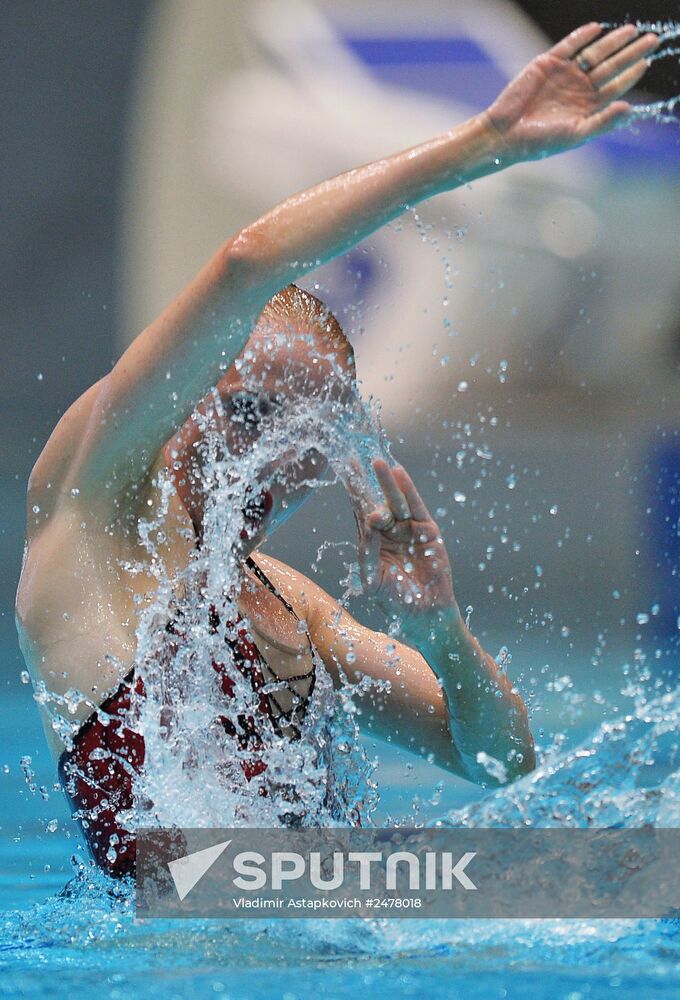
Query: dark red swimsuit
[[97, 773]]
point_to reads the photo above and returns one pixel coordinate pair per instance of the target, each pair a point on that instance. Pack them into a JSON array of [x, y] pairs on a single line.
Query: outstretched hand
[[571, 93], [403, 560]]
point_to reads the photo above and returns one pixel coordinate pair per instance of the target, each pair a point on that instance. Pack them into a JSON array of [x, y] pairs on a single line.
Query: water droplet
[[504, 658]]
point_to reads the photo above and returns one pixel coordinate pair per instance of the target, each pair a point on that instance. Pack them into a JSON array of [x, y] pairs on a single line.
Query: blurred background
[[523, 335]]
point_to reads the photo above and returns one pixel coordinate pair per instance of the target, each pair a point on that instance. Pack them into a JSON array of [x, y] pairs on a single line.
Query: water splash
[[662, 112], [626, 774], [322, 777]]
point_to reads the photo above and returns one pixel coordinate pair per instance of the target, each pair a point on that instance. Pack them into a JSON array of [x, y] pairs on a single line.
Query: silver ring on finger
[[583, 64]]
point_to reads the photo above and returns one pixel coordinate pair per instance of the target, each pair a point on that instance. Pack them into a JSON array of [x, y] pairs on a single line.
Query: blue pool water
[[88, 939]]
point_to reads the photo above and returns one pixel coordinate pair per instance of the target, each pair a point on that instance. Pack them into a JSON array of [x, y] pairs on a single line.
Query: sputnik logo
[[286, 866], [190, 869]]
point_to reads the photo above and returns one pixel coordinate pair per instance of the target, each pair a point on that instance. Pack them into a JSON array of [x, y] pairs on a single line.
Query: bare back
[[77, 607]]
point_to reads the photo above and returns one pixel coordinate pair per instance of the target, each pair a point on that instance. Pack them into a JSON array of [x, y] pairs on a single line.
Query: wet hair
[[301, 312], [292, 311]]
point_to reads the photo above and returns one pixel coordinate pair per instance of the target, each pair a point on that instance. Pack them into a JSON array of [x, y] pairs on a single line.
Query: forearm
[[486, 714], [317, 225]]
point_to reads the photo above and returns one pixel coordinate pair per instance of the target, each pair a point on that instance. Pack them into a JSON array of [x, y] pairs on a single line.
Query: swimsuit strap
[[302, 700], [260, 574], [263, 578]]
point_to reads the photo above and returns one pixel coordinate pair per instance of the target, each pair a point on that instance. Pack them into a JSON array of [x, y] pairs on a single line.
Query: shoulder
[[50, 474], [307, 598]]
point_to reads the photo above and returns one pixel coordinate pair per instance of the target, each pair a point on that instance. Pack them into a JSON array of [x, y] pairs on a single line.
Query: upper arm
[[407, 702], [162, 376], [49, 476]]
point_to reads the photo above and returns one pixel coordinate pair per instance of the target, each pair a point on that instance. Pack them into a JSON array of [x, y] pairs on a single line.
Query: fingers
[[419, 511], [381, 520], [402, 499], [622, 83], [624, 59], [604, 120], [575, 41], [395, 499], [607, 45]]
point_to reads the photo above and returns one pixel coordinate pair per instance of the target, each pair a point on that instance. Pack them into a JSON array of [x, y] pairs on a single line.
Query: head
[[297, 350]]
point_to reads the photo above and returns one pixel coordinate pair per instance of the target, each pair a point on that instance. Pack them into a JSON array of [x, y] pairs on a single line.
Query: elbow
[[521, 758], [241, 251], [523, 763], [246, 259], [238, 265], [501, 769]]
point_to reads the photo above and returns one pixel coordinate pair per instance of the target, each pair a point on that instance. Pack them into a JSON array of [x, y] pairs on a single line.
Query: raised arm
[[551, 106], [563, 98], [405, 566]]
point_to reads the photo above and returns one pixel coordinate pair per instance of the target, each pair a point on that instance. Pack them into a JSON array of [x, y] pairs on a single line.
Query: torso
[[97, 768], [77, 609]]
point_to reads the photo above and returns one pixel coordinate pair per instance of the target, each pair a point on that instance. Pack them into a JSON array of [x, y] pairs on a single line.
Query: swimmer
[[96, 477]]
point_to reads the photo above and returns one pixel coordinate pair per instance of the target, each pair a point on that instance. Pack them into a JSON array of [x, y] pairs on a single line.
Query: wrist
[[502, 150], [485, 150], [432, 627], [465, 153]]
